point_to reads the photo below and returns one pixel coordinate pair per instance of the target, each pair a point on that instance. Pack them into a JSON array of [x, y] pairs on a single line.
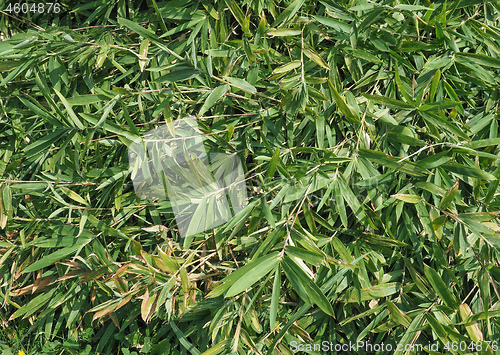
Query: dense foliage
[[369, 136]]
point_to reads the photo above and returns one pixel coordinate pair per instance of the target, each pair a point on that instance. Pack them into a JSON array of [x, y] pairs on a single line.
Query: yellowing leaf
[[143, 54], [315, 57], [74, 196], [408, 198], [287, 67]]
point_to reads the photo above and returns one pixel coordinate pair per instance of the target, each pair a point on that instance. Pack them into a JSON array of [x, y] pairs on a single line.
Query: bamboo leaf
[[263, 265], [52, 258], [284, 32], [275, 296], [214, 96], [70, 111], [408, 198], [315, 57], [241, 84], [389, 102], [440, 288], [287, 67], [449, 197], [74, 196], [315, 294], [342, 105], [148, 35]]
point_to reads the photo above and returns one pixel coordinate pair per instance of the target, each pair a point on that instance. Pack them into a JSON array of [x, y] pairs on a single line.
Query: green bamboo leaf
[[406, 166], [241, 216], [54, 257], [425, 219], [110, 126], [273, 164], [492, 238], [472, 329], [440, 287], [147, 34], [260, 265], [308, 256], [413, 46], [34, 305], [359, 53], [241, 84], [435, 106], [402, 89], [183, 340], [437, 327], [288, 13], [102, 56], [252, 274], [112, 179], [479, 216], [279, 197], [353, 202], [336, 25], [109, 106], [483, 143], [481, 59], [412, 7], [74, 196], [130, 123], [342, 250], [143, 53], [267, 212], [69, 110], [178, 75], [372, 292], [17, 71], [315, 57], [238, 14], [448, 197], [480, 316], [275, 296], [43, 143], [435, 160], [200, 218], [434, 85], [401, 137], [218, 348], [159, 16], [248, 51], [418, 279], [443, 123], [214, 96], [460, 169], [316, 296], [85, 99], [398, 315], [339, 202], [408, 198], [411, 335], [40, 111], [287, 67], [342, 105], [5, 205], [284, 32], [104, 227]]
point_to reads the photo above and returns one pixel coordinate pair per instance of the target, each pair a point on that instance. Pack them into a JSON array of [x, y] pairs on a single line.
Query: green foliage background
[[369, 136]]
